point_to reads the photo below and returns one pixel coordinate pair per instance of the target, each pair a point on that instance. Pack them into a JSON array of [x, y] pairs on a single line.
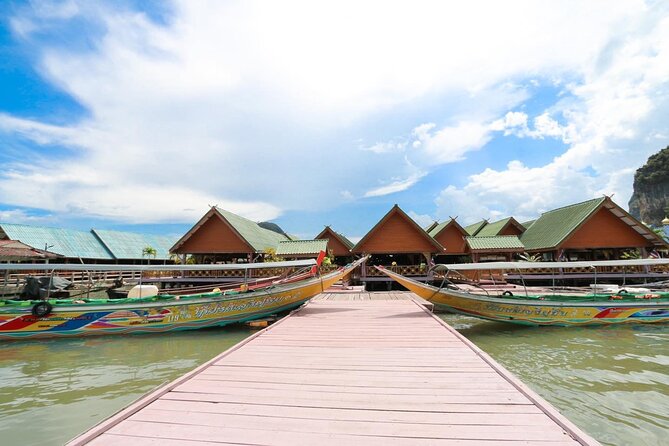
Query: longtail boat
[[598, 308], [55, 318]]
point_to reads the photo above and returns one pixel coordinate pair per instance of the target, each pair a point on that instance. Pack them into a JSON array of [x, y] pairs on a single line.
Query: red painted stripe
[[19, 323], [610, 312]]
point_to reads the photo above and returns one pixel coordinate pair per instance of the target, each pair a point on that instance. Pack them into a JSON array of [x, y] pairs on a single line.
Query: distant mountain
[[650, 199], [272, 227]]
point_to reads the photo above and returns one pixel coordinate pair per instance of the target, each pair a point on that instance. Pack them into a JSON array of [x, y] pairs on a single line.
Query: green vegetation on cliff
[[650, 198], [656, 169]]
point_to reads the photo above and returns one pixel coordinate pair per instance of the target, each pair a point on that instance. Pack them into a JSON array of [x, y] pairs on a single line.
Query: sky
[[139, 115]]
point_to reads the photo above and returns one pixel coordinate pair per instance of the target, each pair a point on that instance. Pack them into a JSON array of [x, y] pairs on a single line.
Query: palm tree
[[149, 251]]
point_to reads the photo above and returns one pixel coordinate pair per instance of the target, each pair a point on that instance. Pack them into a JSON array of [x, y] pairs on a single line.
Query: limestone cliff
[[651, 189]]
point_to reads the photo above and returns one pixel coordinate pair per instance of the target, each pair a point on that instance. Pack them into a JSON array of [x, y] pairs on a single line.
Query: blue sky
[[139, 115]]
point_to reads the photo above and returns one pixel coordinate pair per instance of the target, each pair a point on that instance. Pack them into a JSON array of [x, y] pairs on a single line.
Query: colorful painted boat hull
[[537, 312], [161, 315]]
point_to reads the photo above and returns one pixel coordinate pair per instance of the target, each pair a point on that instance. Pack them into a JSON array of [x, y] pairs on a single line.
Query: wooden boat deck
[[347, 369]]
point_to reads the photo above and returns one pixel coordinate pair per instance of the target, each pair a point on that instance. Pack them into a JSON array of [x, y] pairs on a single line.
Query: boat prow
[[548, 309], [151, 313]]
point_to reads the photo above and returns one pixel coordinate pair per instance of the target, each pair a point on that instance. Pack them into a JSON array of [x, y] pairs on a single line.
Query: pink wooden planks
[[349, 368]]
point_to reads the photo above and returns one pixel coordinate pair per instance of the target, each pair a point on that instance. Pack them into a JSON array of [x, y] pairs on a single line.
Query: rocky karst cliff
[[651, 189]]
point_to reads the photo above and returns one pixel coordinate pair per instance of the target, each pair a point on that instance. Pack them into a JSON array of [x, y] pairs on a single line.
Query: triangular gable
[[451, 236], [610, 226], [396, 232], [337, 243], [212, 234], [555, 228]]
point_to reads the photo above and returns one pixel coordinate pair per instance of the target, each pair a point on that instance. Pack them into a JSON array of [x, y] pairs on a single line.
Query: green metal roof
[[553, 227], [259, 238], [497, 242], [438, 228], [67, 242], [301, 247], [129, 245], [528, 223], [492, 229], [474, 228]]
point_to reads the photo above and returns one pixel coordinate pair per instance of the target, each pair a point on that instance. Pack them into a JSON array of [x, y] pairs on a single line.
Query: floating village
[[353, 350]]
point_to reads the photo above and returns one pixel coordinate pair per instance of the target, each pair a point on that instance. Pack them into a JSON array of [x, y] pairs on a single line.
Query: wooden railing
[[405, 270]]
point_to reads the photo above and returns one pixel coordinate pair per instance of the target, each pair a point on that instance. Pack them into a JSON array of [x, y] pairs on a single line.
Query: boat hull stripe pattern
[[161, 315], [537, 313]]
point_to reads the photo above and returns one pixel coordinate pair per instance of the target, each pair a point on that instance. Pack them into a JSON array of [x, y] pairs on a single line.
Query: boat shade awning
[[96, 267], [547, 265]]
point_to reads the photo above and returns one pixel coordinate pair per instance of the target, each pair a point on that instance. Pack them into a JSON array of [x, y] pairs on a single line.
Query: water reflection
[[612, 381], [52, 390]]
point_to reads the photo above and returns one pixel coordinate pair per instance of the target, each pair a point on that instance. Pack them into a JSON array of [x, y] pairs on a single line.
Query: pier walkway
[[347, 369]]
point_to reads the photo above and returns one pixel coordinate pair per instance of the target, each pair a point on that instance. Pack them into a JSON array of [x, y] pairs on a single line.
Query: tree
[[149, 251], [530, 257], [270, 255]]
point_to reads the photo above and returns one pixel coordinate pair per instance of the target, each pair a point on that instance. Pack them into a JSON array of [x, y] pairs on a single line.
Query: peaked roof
[[495, 243], [301, 247], [474, 228], [554, 227], [253, 234], [437, 229], [496, 227], [129, 245], [338, 235], [66, 242], [395, 210]]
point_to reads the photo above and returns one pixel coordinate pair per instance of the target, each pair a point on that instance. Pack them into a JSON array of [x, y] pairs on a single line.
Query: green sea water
[[612, 382]]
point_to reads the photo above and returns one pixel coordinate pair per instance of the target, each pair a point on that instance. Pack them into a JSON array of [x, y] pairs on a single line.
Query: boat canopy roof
[[547, 265], [96, 267]]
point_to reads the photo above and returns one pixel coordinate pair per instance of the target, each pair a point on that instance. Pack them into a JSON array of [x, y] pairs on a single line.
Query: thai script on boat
[[526, 311], [205, 310]]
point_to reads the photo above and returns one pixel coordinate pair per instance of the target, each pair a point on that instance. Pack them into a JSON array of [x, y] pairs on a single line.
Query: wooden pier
[[347, 369]]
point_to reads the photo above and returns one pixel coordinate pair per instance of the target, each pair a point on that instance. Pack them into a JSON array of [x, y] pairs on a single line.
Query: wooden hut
[[596, 229], [452, 237], [338, 245], [221, 236], [399, 242]]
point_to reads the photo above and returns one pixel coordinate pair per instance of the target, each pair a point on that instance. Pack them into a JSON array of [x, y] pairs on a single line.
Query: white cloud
[[385, 147], [510, 123], [423, 220], [518, 191], [611, 120], [21, 216], [396, 185], [253, 105], [450, 144]]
